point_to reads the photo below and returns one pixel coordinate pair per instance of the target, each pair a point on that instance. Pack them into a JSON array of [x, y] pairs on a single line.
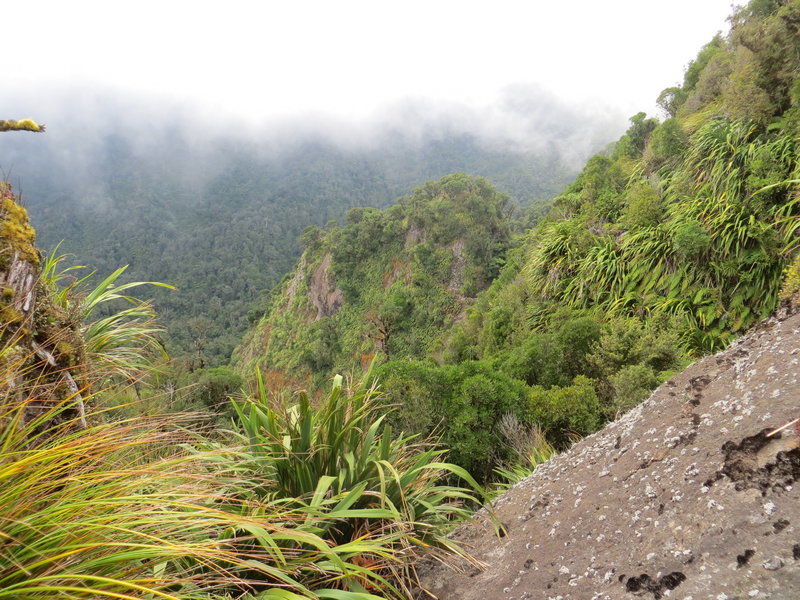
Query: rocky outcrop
[[693, 494], [459, 263], [40, 345], [322, 290]]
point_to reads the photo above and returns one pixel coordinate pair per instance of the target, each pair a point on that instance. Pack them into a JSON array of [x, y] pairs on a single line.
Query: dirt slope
[[687, 496]]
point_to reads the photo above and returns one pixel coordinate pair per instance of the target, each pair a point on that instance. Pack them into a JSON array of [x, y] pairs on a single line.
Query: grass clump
[[122, 510], [311, 502], [381, 494]]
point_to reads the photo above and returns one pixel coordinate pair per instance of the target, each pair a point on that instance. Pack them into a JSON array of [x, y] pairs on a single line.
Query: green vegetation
[[502, 348], [385, 284], [118, 343], [664, 248], [370, 487], [99, 504], [220, 218], [121, 510]]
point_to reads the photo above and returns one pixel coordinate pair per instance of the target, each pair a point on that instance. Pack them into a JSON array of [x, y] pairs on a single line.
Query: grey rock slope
[[687, 496]]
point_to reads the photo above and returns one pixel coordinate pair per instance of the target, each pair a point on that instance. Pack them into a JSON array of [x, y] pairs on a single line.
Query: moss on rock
[[16, 234]]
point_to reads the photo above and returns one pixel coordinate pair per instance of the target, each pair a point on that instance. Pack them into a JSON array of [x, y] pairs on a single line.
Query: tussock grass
[[312, 502]]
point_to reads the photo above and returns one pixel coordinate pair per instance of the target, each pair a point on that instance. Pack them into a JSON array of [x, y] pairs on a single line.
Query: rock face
[[322, 291], [690, 495]]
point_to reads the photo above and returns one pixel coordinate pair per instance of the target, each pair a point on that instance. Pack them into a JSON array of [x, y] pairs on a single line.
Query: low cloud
[[93, 130]]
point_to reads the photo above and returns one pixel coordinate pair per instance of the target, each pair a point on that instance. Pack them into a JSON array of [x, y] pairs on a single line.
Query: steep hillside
[[384, 284], [691, 219], [666, 247], [693, 494]]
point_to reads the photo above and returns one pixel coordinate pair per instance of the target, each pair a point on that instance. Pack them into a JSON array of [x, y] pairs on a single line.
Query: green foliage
[[120, 342], [530, 449], [402, 275], [342, 460], [671, 99], [644, 206], [211, 388], [699, 64], [631, 385], [221, 219], [714, 258], [463, 403], [666, 144], [142, 508], [666, 249], [120, 510], [632, 143], [790, 287], [472, 412], [566, 412], [689, 240], [743, 97]]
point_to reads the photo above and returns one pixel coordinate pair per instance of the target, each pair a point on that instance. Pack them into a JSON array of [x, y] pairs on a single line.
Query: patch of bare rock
[[692, 495]]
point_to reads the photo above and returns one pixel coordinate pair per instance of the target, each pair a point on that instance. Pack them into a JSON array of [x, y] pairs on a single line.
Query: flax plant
[[383, 493], [118, 341]]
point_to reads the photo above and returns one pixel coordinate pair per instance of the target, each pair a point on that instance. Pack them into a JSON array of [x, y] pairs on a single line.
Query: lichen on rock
[[693, 493]]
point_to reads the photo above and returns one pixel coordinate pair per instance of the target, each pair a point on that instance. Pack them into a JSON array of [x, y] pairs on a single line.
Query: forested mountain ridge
[[692, 218], [665, 247], [385, 283], [216, 209]]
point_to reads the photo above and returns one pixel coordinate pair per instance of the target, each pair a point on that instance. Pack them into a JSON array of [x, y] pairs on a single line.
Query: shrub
[[564, 412], [631, 385], [212, 387], [371, 490], [117, 510]]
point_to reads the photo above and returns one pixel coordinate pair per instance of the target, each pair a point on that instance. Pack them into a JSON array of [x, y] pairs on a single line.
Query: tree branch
[[23, 125]]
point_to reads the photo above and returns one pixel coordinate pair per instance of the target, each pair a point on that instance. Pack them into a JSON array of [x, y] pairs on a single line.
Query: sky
[[353, 59]]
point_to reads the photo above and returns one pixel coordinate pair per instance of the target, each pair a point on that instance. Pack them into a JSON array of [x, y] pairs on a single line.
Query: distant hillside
[[384, 284], [217, 210]]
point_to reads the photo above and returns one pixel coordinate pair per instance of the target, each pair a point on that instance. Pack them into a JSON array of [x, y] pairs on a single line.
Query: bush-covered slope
[[693, 494], [384, 284], [692, 219]]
